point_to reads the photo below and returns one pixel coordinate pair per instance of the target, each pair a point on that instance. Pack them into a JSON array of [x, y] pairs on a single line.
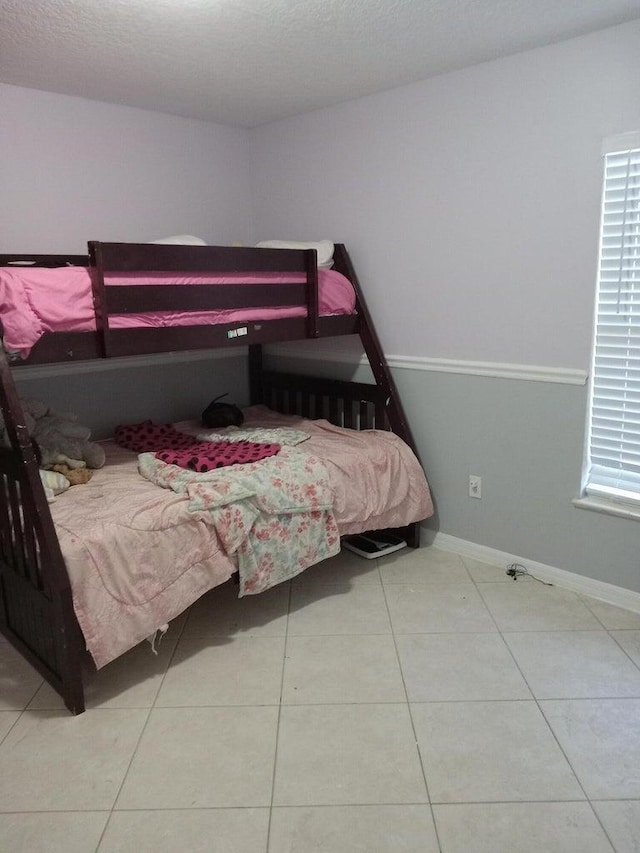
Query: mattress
[[37, 300], [138, 556]]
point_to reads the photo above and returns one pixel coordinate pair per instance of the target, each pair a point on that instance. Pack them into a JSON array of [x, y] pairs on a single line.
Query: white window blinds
[[614, 430]]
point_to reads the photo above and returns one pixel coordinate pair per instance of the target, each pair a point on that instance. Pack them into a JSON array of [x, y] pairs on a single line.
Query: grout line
[[275, 752], [144, 728], [357, 804], [622, 648], [124, 777], [20, 712], [550, 728], [554, 736], [588, 799], [411, 720], [37, 690]]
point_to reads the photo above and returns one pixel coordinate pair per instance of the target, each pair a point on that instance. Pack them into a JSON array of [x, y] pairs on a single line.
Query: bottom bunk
[[110, 562]]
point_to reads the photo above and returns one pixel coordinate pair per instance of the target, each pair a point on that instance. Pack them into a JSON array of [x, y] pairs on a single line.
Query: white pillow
[[180, 240], [324, 248]]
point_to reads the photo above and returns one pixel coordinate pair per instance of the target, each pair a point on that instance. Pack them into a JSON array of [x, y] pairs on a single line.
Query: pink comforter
[[376, 478], [137, 556], [35, 300]]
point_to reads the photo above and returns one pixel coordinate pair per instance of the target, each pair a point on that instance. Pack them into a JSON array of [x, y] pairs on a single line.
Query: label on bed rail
[[237, 333]]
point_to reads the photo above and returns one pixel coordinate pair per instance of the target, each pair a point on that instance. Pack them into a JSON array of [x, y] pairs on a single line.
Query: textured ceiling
[[247, 62]]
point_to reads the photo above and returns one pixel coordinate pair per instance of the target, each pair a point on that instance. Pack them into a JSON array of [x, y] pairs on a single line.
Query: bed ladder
[[363, 406], [36, 606]]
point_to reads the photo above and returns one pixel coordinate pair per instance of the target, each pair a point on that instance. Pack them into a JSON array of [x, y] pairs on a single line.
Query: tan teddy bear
[[75, 476]]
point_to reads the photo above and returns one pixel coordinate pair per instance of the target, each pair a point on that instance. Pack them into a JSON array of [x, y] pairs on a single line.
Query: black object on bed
[[224, 414], [36, 606]]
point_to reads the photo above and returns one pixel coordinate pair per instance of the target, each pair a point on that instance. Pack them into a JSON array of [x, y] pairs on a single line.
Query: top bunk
[[127, 299]]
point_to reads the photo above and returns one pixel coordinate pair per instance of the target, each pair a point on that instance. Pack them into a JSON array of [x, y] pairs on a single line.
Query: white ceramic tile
[[220, 613], [342, 669], [51, 832], [601, 738], [489, 572], [18, 679], [203, 758], [613, 618], [242, 830], [324, 609], [206, 773], [520, 828], [346, 568], [347, 754], [130, 681], [423, 565], [621, 819], [52, 761], [451, 667], [518, 606], [437, 608], [490, 752], [218, 671], [353, 829], [630, 642], [574, 665]]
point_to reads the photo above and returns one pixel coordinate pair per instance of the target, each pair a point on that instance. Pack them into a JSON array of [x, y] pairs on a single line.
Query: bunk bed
[[144, 299]]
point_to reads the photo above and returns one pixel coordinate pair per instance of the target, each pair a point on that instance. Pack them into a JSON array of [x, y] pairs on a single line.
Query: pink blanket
[[376, 478], [137, 555], [35, 300]]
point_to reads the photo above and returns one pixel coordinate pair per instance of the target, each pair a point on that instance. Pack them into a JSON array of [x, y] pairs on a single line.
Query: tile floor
[[416, 703]]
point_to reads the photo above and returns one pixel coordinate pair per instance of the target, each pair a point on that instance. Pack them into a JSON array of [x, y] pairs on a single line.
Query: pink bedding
[[35, 300], [137, 556]]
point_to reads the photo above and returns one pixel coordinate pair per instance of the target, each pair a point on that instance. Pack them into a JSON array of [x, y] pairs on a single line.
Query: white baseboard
[[607, 592]]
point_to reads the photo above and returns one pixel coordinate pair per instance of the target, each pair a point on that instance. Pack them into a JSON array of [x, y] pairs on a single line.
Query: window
[[613, 469]]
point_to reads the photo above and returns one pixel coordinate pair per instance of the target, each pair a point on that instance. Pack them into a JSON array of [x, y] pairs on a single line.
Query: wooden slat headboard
[[354, 405]]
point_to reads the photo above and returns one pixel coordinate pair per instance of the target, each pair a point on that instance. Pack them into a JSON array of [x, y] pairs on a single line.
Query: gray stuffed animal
[[59, 437], [62, 440]]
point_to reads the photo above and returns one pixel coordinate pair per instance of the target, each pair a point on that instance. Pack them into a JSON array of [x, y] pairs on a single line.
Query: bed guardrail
[[107, 259], [49, 261], [354, 405]]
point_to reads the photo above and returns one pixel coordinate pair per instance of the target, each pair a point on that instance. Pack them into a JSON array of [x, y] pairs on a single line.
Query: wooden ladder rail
[[393, 409], [36, 605], [380, 369]]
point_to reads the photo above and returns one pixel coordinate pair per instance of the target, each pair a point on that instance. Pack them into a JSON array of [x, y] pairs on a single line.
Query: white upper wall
[[469, 203], [74, 170]]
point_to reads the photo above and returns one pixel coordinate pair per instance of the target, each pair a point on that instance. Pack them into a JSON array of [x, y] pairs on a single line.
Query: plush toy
[[75, 476], [63, 441], [63, 447], [60, 439], [54, 484]]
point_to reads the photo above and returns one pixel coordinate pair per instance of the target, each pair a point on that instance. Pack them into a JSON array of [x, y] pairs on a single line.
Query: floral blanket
[[276, 515], [262, 435]]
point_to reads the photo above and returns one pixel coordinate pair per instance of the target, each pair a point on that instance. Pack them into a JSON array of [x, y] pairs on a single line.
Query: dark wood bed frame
[[36, 608]]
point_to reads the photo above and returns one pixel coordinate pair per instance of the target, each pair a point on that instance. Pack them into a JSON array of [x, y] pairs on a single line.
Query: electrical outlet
[[475, 486]]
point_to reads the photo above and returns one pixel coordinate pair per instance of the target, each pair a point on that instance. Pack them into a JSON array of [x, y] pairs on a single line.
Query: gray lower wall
[[162, 390], [525, 439]]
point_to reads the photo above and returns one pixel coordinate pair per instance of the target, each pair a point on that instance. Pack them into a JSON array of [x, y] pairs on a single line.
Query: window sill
[[608, 507]]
